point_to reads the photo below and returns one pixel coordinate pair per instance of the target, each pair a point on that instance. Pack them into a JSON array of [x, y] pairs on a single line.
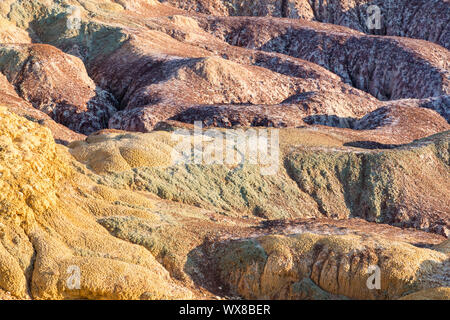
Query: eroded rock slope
[[96, 95]]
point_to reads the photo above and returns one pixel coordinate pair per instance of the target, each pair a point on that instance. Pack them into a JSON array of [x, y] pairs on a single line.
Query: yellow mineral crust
[[48, 231], [30, 169]]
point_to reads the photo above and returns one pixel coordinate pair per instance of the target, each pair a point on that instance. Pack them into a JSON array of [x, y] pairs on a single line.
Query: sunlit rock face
[[118, 119], [422, 19]]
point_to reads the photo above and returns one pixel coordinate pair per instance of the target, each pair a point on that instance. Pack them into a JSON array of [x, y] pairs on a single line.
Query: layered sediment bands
[[389, 68], [420, 19], [400, 185], [17, 105], [58, 85]]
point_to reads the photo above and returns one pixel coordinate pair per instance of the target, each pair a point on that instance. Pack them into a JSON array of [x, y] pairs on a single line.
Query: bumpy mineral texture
[[9, 98], [130, 151]]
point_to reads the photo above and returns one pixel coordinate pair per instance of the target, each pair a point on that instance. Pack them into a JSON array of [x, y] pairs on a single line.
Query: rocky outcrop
[[58, 85], [442, 293], [15, 104], [159, 91], [128, 216], [10, 33], [420, 19], [56, 219], [366, 191], [287, 9], [189, 65], [341, 183], [46, 232], [153, 158], [223, 116], [405, 118]]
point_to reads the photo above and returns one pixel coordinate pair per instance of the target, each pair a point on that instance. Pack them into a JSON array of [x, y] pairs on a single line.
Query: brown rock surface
[[420, 19], [387, 67], [369, 174], [10, 99], [58, 85], [361, 163], [325, 266]]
